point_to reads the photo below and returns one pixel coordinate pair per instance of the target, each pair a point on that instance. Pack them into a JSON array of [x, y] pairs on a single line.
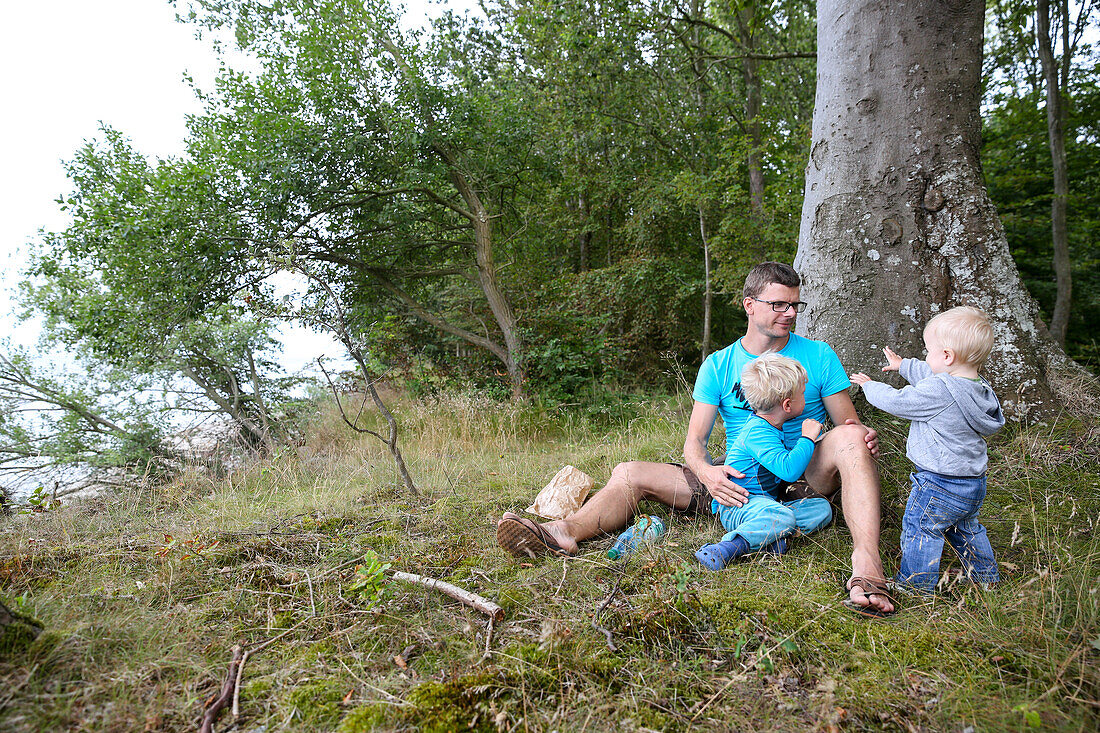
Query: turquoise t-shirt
[[768, 465], [719, 383]]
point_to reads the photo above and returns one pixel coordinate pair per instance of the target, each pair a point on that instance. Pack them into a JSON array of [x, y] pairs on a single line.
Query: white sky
[[69, 64]]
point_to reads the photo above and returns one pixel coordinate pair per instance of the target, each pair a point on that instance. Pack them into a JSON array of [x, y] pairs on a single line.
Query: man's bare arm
[[716, 479], [843, 412]]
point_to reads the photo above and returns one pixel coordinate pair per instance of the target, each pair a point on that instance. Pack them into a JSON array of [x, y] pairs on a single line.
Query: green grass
[[144, 593]]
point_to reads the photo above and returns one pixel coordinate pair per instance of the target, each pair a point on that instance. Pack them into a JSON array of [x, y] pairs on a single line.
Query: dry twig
[[473, 600], [488, 639], [244, 658], [596, 626], [228, 686]]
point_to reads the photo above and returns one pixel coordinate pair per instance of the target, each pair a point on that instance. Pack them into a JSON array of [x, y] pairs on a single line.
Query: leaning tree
[[896, 222]]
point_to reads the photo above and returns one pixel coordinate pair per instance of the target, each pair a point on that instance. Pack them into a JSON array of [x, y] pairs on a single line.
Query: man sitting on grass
[[844, 456]]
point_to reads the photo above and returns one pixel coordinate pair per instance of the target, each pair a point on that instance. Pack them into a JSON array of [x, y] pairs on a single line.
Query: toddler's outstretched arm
[[893, 364], [860, 378], [892, 359]]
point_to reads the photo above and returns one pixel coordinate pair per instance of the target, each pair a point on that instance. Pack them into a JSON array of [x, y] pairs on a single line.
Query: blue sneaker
[[718, 555], [779, 547]]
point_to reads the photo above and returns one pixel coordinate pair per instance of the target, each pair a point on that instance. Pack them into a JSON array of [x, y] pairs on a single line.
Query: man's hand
[[860, 378], [716, 480], [871, 438], [811, 429], [893, 360]]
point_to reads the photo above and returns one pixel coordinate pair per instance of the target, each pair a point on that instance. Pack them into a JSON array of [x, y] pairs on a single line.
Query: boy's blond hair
[[966, 331], [771, 378]]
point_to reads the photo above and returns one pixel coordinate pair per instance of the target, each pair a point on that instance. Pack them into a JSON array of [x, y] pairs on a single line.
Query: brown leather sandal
[[870, 588], [523, 537]]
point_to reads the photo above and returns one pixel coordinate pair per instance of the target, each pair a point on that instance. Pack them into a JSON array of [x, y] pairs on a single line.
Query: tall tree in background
[[1039, 148], [352, 145], [1056, 78], [136, 284], [897, 224], [1056, 32], [661, 159], [742, 52]]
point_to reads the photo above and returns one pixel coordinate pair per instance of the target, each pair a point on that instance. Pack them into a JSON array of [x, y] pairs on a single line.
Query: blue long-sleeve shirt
[[768, 464]]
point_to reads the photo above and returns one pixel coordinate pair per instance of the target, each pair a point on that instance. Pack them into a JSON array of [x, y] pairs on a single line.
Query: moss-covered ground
[[144, 593]]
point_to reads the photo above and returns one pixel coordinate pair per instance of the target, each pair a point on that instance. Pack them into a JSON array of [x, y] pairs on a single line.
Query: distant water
[[212, 437]]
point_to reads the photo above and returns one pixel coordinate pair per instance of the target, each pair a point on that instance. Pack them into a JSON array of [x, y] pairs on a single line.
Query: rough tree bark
[[896, 223]]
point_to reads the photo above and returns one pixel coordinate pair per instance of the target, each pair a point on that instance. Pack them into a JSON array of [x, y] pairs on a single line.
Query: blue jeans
[[763, 520], [944, 508]]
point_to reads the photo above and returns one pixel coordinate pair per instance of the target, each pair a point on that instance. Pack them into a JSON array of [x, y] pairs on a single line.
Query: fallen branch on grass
[[232, 688], [244, 658], [473, 600], [222, 700], [596, 626]]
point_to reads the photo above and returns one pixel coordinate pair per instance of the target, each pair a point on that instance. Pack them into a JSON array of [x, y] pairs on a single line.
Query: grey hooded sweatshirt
[[950, 418]]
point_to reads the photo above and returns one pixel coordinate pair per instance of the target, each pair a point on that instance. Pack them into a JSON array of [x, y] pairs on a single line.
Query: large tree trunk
[[1056, 136], [897, 224]]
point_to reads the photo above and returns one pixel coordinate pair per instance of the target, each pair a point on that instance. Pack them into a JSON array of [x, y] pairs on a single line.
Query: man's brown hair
[[767, 273]]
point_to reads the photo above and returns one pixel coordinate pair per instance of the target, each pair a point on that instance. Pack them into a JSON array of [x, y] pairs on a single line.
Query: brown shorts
[[700, 497]]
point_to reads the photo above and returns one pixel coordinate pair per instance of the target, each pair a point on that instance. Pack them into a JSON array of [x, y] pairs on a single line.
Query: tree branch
[[473, 600], [435, 320]]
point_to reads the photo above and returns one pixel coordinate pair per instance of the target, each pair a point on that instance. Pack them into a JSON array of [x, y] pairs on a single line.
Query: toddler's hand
[[860, 378], [893, 359], [811, 428]]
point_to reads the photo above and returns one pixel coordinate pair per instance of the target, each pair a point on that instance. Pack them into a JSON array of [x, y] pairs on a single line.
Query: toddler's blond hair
[[966, 331], [771, 378]]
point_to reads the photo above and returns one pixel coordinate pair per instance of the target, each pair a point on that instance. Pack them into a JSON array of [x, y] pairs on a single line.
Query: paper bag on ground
[[563, 495]]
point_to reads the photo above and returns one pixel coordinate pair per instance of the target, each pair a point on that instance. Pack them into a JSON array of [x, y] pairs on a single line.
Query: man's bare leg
[[842, 458], [611, 508]]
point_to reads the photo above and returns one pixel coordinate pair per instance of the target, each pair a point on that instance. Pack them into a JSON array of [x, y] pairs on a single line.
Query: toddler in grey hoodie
[[952, 409]]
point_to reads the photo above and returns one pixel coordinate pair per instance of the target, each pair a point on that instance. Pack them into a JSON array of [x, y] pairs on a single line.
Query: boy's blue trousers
[[944, 508], [763, 519]]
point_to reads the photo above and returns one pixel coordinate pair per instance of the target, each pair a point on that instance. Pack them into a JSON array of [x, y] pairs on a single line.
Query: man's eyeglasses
[[781, 306]]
